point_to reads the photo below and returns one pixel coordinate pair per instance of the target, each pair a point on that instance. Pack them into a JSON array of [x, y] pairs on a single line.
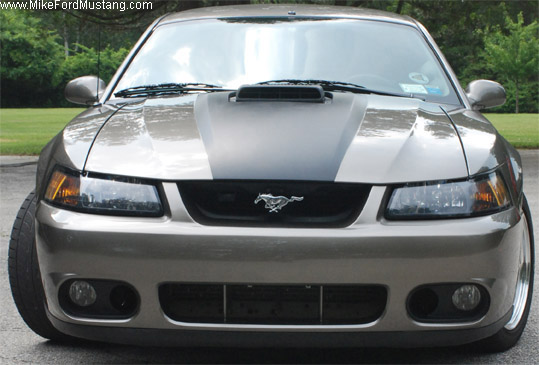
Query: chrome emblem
[[276, 203]]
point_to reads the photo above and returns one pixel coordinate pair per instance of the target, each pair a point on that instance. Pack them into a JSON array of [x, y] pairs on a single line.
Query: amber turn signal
[[63, 189], [490, 194]]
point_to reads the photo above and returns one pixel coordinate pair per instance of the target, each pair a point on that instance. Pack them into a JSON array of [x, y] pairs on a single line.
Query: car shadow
[[203, 355]]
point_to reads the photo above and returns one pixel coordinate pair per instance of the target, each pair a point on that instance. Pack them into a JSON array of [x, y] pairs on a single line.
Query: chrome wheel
[[523, 281]]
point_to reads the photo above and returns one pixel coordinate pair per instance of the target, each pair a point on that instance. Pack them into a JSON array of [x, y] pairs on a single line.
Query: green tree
[[29, 57], [512, 55], [85, 63], [41, 51]]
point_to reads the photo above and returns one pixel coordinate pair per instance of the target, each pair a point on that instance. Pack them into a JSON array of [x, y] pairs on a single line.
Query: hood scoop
[[295, 93]]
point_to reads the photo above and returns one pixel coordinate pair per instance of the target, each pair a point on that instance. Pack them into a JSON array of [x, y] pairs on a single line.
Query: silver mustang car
[[278, 175]]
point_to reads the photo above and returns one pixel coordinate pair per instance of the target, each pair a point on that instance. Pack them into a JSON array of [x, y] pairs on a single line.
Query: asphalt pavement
[[20, 345]]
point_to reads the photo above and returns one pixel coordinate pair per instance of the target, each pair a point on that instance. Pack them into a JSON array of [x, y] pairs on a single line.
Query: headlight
[[105, 195], [481, 196]]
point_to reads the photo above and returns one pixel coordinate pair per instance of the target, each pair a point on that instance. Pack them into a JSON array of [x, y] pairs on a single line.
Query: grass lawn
[[522, 130], [26, 131]]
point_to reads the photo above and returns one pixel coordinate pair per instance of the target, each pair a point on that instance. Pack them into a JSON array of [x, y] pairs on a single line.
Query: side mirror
[[84, 90], [485, 94]]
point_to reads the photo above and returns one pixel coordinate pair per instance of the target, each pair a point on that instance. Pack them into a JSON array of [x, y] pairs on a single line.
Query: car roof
[[282, 10]]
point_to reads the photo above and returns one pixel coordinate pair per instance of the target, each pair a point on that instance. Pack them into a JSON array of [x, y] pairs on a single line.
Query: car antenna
[[98, 58]]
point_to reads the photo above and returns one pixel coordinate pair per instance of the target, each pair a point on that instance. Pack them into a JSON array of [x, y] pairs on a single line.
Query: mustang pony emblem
[[276, 203]]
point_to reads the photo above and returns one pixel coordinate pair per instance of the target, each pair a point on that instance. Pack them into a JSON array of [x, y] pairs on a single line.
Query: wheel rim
[[523, 281]]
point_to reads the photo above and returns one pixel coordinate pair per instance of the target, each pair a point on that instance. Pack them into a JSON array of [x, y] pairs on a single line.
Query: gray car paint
[[84, 90], [483, 145], [370, 251], [156, 162], [396, 141], [284, 9], [154, 138], [485, 94], [352, 138], [70, 147], [153, 133], [278, 140]]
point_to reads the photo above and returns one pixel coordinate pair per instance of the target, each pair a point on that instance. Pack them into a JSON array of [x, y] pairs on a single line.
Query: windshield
[[231, 52]]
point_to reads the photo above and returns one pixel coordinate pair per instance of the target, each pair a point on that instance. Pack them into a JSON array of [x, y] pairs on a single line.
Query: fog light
[[82, 293], [466, 298]]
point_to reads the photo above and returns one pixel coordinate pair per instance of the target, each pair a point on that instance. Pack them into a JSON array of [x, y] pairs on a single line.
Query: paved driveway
[[20, 345]]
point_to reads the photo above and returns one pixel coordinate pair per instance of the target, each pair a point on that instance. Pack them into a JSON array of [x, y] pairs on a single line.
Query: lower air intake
[[273, 304]]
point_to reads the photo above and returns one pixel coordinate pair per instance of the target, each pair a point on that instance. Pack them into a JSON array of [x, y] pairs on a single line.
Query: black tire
[[24, 276], [505, 339]]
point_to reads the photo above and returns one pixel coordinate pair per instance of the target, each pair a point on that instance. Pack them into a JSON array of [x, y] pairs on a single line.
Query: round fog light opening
[[466, 298], [82, 293]]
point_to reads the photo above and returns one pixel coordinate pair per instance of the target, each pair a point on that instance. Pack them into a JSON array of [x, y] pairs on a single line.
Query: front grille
[[273, 304], [232, 203]]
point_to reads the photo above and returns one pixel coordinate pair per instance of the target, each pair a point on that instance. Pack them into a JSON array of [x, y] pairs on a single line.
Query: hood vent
[[297, 93]]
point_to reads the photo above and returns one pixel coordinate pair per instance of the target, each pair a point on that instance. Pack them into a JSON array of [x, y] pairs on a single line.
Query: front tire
[[508, 336], [24, 275]]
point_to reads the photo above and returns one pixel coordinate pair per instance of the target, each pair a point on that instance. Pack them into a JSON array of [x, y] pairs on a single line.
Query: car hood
[[349, 138]]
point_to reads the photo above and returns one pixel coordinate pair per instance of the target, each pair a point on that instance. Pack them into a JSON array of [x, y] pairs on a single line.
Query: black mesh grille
[[307, 93], [199, 303], [273, 304], [232, 203]]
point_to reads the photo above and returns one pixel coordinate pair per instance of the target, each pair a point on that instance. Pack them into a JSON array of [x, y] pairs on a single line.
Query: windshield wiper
[[167, 89], [338, 86]]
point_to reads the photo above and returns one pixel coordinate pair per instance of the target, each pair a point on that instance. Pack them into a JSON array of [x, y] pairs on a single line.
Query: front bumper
[[169, 337], [398, 255]]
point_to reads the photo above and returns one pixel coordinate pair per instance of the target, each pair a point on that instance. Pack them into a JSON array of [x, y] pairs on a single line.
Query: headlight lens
[[105, 195], [485, 195]]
